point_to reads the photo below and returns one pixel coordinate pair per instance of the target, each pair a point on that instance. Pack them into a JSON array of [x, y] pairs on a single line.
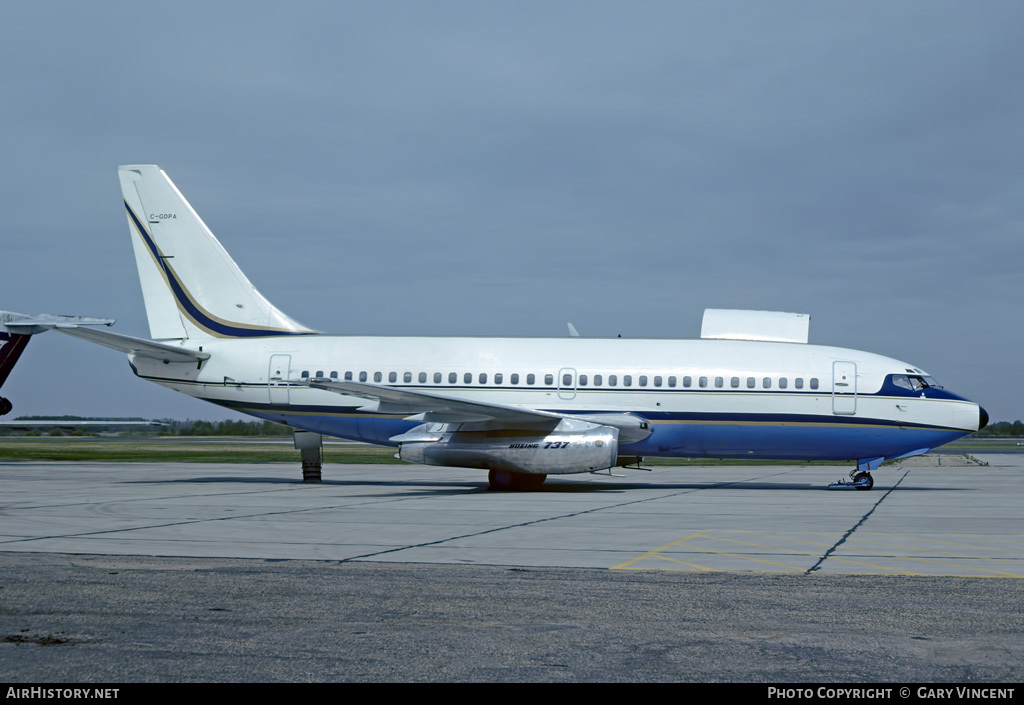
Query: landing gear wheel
[[504, 481], [863, 480]]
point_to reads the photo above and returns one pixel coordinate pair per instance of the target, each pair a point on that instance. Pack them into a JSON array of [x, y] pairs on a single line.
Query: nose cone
[[982, 418]]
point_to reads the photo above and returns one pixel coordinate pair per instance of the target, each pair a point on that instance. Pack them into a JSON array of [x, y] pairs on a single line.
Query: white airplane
[[522, 408]]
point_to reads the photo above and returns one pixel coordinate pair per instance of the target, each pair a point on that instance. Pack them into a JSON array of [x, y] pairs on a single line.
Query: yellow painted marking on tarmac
[[985, 572], [701, 568], [817, 555], [942, 563], [654, 552], [748, 558], [987, 538], [964, 567], [939, 550], [787, 538]]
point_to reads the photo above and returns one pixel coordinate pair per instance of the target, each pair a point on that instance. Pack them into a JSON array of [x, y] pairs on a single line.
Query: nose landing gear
[[860, 480]]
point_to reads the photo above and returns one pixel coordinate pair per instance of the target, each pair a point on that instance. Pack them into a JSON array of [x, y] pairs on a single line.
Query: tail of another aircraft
[[191, 286], [11, 347]]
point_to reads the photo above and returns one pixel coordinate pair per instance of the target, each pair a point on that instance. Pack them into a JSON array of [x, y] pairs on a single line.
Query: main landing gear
[[504, 481], [311, 446]]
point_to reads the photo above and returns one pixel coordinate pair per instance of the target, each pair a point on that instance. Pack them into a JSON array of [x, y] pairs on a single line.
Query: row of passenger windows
[[671, 381]]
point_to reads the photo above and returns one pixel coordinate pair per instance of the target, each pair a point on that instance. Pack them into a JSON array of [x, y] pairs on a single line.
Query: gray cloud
[[483, 168]]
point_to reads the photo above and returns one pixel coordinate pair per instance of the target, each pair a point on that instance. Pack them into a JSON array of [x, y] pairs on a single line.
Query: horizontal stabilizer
[[30, 325], [78, 327], [136, 346]]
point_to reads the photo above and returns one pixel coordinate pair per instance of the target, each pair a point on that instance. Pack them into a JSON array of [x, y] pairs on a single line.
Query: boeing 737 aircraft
[[521, 408]]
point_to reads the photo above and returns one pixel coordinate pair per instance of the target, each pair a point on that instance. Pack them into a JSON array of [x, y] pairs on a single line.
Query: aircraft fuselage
[[702, 398]]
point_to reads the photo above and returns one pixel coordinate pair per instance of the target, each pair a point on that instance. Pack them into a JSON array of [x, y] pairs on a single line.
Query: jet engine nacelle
[[574, 446]]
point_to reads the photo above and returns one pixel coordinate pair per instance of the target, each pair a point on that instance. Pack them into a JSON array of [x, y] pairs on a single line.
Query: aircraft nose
[[982, 418]]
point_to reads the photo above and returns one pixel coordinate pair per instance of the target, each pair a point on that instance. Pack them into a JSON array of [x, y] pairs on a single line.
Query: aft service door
[[277, 378], [844, 388]]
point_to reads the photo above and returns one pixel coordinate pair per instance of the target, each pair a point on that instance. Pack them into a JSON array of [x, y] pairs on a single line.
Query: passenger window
[[467, 378], [453, 377], [319, 373], [377, 376], [437, 378], [613, 380], [597, 380], [514, 378], [348, 376], [392, 377], [627, 380], [688, 382], [719, 382], [766, 382], [783, 382], [498, 377], [567, 380], [483, 378], [583, 380], [814, 382], [671, 381], [703, 381], [305, 374], [734, 382], [549, 380], [362, 376], [422, 377], [531, 378], [798, 383], [751, 382], [407, 377]]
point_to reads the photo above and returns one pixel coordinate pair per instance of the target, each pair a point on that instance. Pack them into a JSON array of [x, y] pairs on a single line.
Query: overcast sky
[[500, 168]]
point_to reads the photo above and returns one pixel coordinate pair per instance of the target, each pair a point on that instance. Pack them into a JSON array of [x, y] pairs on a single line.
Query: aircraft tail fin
[[12, 344], [11, 347], [191, 286]]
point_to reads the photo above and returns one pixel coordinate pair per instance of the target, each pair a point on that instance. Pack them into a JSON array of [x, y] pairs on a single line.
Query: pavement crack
[[856, 526], [542, 520]]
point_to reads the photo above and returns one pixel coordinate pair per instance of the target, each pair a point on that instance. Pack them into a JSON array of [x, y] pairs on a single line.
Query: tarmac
[[159, 572]]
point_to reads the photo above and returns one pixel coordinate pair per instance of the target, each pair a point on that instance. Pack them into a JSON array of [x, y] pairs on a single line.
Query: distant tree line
[[191, 427], [1003, 428], [171, 427]]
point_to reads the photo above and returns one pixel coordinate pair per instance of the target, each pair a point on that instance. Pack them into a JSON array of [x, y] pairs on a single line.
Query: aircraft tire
[[5, 406], [864, 475], [504, 481]]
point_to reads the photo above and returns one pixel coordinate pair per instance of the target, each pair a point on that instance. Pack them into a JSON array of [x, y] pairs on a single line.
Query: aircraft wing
[[441, 408], [425, 406]]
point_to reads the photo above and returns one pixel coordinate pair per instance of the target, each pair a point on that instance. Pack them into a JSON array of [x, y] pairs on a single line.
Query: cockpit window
[[913, 382]]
